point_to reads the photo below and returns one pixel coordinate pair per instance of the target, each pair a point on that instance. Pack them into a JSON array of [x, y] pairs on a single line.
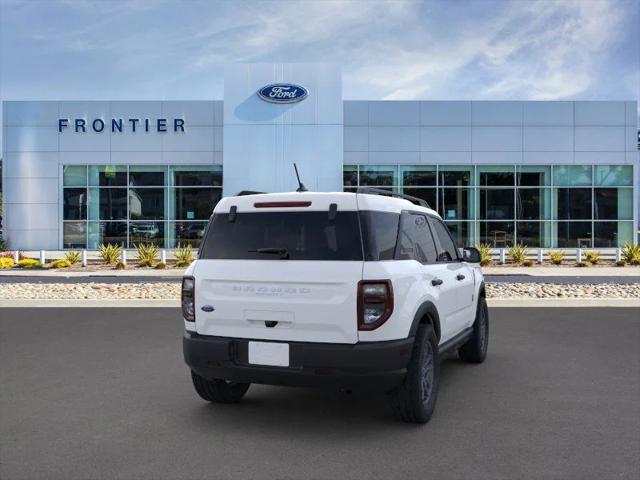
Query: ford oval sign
[[283, 93]]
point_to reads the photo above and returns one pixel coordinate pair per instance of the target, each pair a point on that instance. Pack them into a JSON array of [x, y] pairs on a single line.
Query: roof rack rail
[[381, 191], [242, 193]]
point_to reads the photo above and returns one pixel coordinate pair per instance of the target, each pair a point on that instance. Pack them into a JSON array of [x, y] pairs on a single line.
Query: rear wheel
[[415, 400], [475, 349], [219, 391]]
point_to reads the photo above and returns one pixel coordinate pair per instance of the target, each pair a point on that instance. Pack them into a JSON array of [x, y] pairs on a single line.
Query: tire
[[219, 391], [475, 349], [415, 400]]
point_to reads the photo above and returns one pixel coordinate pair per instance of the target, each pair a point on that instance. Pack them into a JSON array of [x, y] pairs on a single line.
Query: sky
[[455, 49]]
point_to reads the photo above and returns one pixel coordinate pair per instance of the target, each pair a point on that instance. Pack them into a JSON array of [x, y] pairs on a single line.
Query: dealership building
[[547, 174]]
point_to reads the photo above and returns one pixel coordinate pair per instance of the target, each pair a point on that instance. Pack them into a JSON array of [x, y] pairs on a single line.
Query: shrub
[[120, 266], [631, 253], [518, 253], [184, 255], [556, 256], [592, 257], [6, 262], [161, 266], [527, 263], [110, 252], [621, 263], [10, 254], [485, 254], [62, 263], [147, 254], [582, 263], [73, 257], [29, 263]]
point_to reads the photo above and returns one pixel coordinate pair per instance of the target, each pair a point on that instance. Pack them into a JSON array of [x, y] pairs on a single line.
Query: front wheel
[[219, 391], [475, 349], [415, 400]]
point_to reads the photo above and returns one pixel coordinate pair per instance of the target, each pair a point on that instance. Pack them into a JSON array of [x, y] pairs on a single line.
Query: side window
[[379, 234], [447, 251], [415, 241]]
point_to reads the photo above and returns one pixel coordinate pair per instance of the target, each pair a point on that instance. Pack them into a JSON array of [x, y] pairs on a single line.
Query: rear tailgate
[[278, 300], [281, 267]]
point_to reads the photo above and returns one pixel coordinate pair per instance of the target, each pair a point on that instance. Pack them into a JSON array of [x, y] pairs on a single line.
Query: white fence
[[541, 255], [89, 255]]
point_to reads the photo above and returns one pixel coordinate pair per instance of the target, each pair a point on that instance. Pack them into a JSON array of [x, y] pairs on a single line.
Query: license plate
[[269, 353]]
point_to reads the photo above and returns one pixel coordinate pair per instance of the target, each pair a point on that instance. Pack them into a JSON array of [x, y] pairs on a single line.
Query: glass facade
[[127, 205], [564, 206]]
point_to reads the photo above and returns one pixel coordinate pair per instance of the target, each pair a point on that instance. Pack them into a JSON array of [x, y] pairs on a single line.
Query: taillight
[[375, 303], [188, 296]]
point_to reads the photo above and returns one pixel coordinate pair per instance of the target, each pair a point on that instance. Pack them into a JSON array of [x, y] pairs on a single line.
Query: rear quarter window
[[283, 236], [379, 233]]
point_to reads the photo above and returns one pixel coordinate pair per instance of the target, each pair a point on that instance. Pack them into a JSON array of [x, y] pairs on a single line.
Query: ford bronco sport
[[343, 290]]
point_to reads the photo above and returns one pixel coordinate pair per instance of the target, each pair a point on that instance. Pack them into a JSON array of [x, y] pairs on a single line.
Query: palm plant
[[147, 254], [518, 253], [184, 255], [110, 252], [485, 253]]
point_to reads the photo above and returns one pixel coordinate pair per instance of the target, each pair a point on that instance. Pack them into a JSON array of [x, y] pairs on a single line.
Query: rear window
[[283, 236]]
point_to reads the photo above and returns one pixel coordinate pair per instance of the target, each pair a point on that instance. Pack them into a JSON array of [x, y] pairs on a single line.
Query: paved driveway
[[103, 393]]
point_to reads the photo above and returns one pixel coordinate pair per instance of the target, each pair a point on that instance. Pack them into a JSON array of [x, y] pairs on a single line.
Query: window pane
[[533, 203], [187, 233], [574, 234], [459, 232], [572, 175], [350, 189], [447, 250], [108, 176], [384, 175], [606, 234], [350, 175], [497, 234], [534, 234], [107, 204], [74, 176], [75, 204], [455, 204], [455, 175], [415, 240], [146, 232], [496, 204], [534, 176], [107, 232], [146, 175], [74, 235], [617, 175], [418, 175], [426, 194], [379, 232], [195, 176], [574, 203], [496, 176], [614, 203], [146, 203], [195, 203]]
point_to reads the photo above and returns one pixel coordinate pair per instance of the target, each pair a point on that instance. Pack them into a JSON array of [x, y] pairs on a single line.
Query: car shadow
[[317, 412]]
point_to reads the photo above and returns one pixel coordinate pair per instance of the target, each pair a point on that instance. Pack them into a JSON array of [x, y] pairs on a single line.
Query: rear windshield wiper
[[283, 252]]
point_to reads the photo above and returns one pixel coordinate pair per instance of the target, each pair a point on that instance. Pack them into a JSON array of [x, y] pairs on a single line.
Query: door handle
[[436, 281], [460, 277]]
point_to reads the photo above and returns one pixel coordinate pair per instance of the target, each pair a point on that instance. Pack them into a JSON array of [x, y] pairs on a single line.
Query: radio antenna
[[301, 187]]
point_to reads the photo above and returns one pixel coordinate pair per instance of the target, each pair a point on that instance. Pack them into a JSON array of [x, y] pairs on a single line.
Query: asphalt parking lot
[[103, 393]]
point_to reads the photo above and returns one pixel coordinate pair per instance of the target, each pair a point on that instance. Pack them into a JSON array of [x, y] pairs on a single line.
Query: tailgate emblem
[[207, 308]]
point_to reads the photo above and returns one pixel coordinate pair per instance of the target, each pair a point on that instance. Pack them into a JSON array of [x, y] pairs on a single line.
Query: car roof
[[318, 201]]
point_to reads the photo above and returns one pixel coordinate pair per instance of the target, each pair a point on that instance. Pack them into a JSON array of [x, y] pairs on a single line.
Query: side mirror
[[470, 255]]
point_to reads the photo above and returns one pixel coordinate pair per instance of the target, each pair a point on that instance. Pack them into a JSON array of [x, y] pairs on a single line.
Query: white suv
[[344, 290]]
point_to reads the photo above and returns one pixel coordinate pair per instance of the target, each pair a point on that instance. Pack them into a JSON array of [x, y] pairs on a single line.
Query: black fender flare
[[481, 290], [427, 309]]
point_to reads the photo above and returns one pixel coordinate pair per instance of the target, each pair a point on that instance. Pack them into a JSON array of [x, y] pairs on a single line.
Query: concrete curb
[[493, 303], [563, 302], [82, 303]]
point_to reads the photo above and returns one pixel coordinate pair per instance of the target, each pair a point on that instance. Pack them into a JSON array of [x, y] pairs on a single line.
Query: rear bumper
[[372, 365]]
